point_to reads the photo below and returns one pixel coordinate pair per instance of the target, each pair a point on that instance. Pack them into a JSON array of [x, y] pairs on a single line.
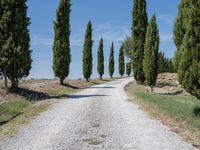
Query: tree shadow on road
[[108, 87], [85, 96]]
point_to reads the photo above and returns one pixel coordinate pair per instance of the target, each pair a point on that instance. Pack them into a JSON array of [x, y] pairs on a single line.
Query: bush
[[196, 111]]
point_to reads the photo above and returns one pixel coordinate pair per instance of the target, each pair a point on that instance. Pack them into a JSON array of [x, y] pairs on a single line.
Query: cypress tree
[[189, 67], [87, 52], [151, 53], [61, 47], [14, 36], [111, 61], [100, 67], [121, 61], [128, 68], [180, 29], [139, 27]]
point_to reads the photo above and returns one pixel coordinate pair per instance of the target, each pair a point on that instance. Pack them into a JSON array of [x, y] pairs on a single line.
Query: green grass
[[63, 92], [12, 109], [16, 113], [176, 106]]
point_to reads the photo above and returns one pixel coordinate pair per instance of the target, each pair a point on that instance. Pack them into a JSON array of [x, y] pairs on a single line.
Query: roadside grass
[[177, 112], [16, 113]]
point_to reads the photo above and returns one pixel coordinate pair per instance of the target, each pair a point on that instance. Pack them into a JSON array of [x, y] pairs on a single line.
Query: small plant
[[196, 111]]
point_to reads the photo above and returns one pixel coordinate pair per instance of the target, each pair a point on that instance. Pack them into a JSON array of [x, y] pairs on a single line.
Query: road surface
[[100, 117]]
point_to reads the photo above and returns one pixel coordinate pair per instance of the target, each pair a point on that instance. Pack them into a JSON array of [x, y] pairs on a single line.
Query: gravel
[[100, 117]]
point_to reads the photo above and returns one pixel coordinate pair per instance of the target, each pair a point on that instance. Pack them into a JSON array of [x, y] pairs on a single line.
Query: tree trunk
[[87, 80], [5, 81], [14, 85], [100, 77], [151, 88], [61, 81]]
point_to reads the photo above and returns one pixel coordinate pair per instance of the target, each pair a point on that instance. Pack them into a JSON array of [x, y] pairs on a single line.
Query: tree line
[[15, 53], [147, 61], [141, 49]]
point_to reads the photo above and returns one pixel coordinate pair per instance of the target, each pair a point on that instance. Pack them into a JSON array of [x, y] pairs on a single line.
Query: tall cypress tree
[[151, 53], [100, 57], [180, 29], [14, 35], [87, 52], [189, 67], [61, 47], [121, 61], [128, 68], [139, 27], [111, 61]]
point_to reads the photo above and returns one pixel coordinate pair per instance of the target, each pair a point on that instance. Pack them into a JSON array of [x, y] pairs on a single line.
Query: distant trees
[[128, 47], [128, 69], [15, 55], [121, 61], [87, 52], [165, 64], [111, 61], [100, 57], [139, 27], [189, 65], [150, 62], [61, 47]]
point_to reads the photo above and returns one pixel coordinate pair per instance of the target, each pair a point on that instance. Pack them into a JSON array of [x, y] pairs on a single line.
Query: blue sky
[[111, 20]]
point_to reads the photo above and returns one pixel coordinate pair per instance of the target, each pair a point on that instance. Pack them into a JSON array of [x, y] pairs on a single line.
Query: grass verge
[[16, 113], [177, 112]]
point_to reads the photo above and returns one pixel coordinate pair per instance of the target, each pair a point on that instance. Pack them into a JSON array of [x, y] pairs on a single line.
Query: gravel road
[[100, 117]]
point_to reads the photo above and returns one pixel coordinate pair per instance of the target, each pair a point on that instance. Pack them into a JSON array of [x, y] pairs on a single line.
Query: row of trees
[[61, 48], [187, 41], [87, 57], [145, 43], [15, 53]]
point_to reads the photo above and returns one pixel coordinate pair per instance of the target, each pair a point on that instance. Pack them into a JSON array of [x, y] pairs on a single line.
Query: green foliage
[[151, 53], [111, 61], [128, 47], [180, 29], [61, 47], [87, 52], [128, 68], [189, 67], [100, 66], [14, 40], [121, 61], [165, 64], [139, 27]]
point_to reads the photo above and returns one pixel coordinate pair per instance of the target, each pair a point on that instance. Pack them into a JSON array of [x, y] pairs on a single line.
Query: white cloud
[[166, 37], [41, 41]]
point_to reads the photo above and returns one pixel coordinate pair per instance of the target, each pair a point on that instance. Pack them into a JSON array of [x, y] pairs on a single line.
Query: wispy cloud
[[37, 40], [108, 31], [166, 19], [166, 37], [111, 32]]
